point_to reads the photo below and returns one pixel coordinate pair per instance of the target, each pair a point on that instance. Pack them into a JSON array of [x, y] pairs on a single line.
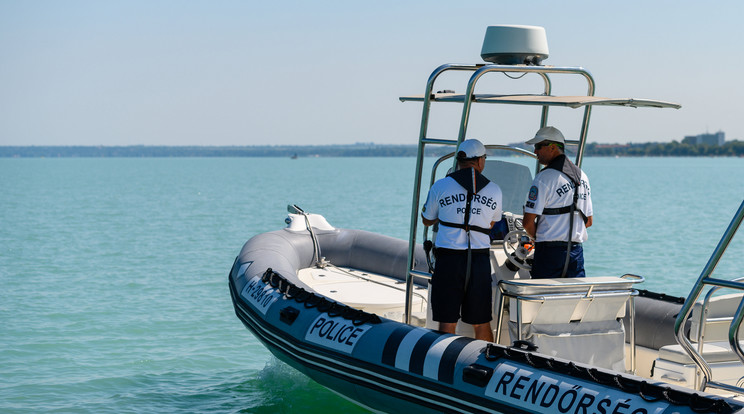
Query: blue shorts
[[550, 258], [448, 296]]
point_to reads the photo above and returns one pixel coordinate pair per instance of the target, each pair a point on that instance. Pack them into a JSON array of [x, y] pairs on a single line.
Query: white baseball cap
[[472, 149], [547, 133]]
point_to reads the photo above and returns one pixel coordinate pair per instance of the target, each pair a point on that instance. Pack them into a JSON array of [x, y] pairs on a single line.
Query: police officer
[[465, 204], [559, 200]]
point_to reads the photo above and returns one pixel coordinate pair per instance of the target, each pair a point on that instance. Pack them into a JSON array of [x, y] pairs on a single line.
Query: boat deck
[[370, 292]]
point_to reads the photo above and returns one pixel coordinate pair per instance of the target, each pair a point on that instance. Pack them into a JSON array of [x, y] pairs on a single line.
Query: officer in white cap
[[465, 204], [558, 209]]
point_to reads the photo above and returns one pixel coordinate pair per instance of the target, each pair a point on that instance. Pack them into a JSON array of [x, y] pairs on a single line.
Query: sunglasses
[[541, 144]]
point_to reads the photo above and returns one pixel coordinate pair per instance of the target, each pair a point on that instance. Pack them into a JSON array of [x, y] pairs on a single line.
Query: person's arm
[[530, 226], [428, 222], [589, 221]]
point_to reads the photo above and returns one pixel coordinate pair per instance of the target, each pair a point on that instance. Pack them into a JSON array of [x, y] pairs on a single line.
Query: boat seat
[[564, 300], [573, 318], [713, 333], [712, 352], [710, 339], [717, 320]]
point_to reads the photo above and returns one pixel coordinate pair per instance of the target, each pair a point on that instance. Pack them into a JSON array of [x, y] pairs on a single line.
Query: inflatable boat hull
[[392, 367]]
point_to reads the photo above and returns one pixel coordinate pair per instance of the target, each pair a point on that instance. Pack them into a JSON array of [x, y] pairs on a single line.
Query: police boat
[[349, 308]]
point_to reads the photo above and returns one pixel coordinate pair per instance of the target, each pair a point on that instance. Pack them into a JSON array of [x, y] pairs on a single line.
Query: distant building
[[716, 139]]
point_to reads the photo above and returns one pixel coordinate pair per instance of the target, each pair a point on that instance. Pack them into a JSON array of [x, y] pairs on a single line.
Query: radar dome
[[515, 45]]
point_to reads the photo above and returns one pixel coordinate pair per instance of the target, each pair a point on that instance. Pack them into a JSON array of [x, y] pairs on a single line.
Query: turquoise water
[[114, 271]]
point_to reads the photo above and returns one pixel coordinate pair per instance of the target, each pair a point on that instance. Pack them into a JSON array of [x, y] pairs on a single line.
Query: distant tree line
[[355, 150], [651, 149], [666, 149], [367, 150]]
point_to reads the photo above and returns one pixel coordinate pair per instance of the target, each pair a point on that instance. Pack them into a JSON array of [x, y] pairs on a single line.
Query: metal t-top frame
[[706, 279], [467, 99]]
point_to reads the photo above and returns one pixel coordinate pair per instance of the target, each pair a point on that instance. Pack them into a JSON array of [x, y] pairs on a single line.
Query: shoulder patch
[[533, 193]]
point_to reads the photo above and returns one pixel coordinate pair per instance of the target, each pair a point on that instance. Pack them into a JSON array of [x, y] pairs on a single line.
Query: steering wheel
[[518, 251]]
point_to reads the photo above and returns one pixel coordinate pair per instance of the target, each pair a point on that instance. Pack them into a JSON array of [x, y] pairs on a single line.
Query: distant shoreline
[[653, 149]]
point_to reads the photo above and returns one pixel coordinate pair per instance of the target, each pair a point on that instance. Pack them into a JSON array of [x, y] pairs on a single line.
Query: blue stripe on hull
[[446, 372], [391, 346]]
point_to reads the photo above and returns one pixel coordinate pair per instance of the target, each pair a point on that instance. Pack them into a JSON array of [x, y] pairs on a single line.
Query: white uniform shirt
[[446, 201], [552, 189]]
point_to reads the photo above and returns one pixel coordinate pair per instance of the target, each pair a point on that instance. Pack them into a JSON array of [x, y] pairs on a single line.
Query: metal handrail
[[705, 279], [704, 313], [417, 182], [703, 321], [543, 71]]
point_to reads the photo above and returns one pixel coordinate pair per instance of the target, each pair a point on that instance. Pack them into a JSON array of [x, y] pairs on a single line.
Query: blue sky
[[330, 72]]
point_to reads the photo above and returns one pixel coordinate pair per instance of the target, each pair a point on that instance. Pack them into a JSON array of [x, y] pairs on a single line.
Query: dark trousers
[[550, 258], [450, 297]]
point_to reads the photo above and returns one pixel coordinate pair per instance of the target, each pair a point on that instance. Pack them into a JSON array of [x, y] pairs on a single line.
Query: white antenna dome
[[515, 45]]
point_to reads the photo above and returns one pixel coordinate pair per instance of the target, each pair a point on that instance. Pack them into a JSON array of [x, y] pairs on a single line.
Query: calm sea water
[[114, 271]]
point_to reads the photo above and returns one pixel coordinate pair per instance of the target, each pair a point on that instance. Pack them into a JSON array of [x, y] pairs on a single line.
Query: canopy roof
[[549, 100]]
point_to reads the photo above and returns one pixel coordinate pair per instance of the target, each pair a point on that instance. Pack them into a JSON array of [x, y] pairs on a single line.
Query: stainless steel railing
[[704, 280]]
